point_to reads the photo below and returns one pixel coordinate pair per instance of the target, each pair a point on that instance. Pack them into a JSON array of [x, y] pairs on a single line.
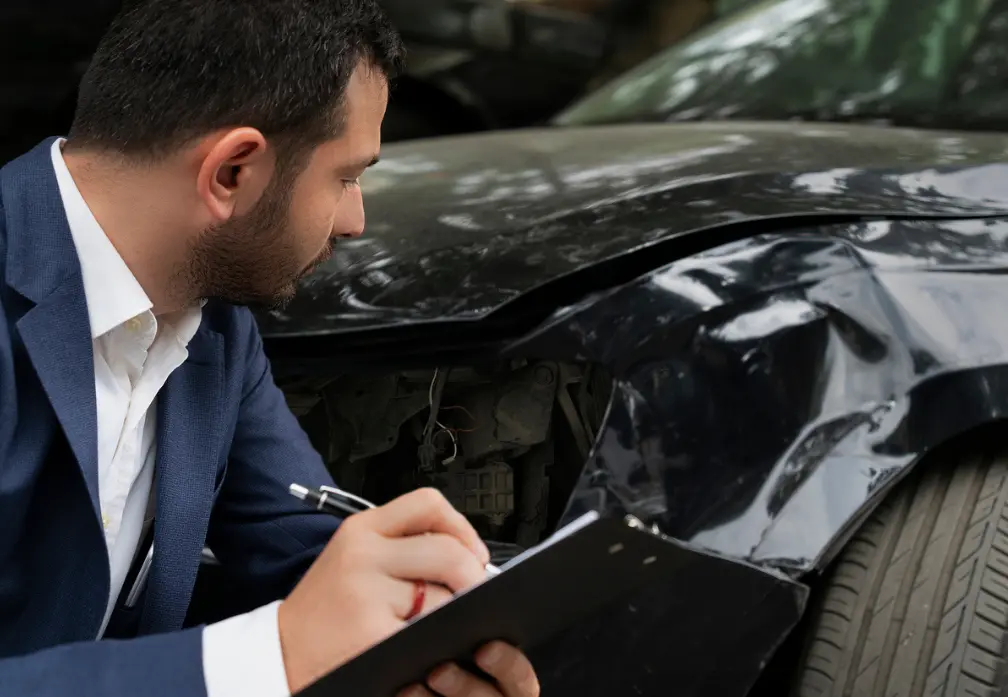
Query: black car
[[781, 345]]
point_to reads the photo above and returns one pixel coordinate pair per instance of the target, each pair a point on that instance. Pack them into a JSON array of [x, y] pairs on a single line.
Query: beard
[[250, 261]]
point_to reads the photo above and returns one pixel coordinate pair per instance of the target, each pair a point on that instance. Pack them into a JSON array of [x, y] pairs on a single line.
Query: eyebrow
[[361, 166]]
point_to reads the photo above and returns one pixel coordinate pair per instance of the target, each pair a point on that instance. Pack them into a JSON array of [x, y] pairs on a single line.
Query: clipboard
[[590, 564]]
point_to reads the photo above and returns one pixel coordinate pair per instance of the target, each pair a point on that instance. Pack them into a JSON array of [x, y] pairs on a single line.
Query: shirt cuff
[[242, 656]]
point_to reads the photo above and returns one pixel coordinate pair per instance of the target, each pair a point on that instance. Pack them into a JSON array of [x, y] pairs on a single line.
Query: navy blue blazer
[[227, 450]]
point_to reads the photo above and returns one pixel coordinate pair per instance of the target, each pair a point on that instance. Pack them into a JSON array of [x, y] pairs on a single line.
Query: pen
[[141, 579], [338, 502]]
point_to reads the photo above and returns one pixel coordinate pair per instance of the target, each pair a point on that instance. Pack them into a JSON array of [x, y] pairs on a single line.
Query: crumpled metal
[[772, 389]]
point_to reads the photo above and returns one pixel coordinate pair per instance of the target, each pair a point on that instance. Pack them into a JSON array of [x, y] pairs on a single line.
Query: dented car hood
[[458, 227]]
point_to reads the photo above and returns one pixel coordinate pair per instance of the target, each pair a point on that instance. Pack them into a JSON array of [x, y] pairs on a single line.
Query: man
[[213, 161]]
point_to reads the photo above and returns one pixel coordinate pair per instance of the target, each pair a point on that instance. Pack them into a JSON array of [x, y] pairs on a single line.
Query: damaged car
[[781, 345]]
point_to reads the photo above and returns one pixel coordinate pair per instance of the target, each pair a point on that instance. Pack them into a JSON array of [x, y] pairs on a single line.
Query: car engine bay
[[504, 443]]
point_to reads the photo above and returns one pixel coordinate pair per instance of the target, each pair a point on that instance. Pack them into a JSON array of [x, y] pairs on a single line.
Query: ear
[[234, 172]]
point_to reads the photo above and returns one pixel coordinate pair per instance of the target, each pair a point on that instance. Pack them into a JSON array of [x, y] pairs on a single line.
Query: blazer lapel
[[190, 415], [42, 266]]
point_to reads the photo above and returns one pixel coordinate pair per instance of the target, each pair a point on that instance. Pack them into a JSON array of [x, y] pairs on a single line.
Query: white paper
[[567, 530]]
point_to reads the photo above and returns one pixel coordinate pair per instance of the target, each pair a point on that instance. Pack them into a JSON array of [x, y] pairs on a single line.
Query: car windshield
[[814, 59]]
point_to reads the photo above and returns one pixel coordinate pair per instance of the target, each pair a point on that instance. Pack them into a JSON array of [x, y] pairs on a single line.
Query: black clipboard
[[575, 574]]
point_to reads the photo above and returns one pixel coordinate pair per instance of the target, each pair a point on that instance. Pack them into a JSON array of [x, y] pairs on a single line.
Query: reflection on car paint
[[548, 203], [757, 416]]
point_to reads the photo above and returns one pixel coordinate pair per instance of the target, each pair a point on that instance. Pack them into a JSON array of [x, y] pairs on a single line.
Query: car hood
[[459, 226]]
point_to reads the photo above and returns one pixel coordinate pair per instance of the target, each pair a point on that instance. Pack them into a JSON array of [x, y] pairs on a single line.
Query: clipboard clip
[[636, 523]]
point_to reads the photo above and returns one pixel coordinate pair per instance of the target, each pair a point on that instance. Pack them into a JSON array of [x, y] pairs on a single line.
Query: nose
[[352, 219]]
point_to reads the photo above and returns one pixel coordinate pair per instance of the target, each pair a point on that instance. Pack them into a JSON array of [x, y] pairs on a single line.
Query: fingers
[[435, 597], [422, 511], [510, 667], [402, 594], [507, 665], [415, 691], [452, 681], [438, 558]]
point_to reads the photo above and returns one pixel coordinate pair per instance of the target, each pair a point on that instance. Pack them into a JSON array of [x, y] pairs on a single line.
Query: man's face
[[258, 258]]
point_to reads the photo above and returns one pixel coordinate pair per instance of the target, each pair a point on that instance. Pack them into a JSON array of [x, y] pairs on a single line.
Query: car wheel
[[917, 603]]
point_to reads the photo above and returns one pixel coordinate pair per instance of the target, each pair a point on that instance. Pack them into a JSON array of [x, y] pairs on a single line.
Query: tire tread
[[917, 604]]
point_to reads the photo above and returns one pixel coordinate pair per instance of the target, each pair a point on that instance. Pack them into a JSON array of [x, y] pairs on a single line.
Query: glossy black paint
[[770, 390], [458, 227], [769, 393]]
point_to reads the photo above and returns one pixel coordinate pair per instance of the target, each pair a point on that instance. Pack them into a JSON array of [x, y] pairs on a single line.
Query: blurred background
[[477, 65]]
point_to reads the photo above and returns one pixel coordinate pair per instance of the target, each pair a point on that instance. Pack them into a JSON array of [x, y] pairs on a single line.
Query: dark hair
[[169, 71]]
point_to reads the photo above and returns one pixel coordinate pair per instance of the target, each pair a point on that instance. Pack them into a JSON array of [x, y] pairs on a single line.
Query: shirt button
[[105, 520], [134, 324]]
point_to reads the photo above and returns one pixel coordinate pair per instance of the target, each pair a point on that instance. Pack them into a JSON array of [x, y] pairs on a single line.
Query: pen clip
[[141, 579], [346, 496]]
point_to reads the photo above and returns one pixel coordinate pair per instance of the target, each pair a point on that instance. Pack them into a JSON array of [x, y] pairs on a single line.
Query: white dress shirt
[[134, 353]]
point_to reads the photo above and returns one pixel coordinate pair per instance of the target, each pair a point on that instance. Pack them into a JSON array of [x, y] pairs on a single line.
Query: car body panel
[[771, 390], [459, 227]]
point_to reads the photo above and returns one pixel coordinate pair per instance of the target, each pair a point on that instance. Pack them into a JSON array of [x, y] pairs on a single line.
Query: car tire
[[917, 603]]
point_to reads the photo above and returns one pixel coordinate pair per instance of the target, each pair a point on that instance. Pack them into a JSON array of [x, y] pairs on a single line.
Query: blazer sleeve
[[265, 537], [162, 665]]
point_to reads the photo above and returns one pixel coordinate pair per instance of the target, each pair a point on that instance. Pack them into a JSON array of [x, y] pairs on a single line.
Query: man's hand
[[360, 590], [507, 665]]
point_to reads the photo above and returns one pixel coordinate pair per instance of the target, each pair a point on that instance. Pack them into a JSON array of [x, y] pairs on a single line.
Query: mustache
[[323, 256], [326, 253]]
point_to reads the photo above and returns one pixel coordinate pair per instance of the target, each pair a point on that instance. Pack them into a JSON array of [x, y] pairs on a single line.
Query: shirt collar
[[112, 292]]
